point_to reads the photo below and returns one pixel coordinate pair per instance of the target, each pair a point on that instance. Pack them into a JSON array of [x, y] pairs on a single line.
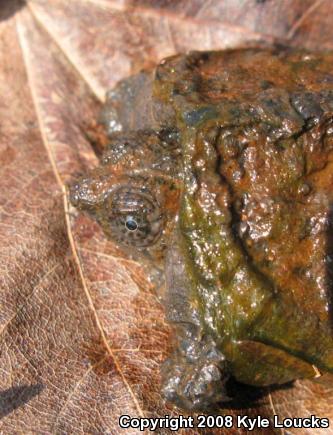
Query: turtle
[[218, 173]]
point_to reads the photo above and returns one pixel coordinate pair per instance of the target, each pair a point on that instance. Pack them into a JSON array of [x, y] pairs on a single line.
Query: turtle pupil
[[131, 224]]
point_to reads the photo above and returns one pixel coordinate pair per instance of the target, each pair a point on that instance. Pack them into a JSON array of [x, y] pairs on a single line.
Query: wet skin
[[219, 172]]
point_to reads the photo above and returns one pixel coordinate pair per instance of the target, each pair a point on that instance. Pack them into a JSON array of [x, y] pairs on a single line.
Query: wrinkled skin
[[219, 172]]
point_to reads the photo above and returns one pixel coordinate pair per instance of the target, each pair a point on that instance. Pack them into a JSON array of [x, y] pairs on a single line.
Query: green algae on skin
[[224, 161]]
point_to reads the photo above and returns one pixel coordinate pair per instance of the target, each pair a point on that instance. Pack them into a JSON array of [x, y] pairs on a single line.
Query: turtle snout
[[74, 194], [84, 193]]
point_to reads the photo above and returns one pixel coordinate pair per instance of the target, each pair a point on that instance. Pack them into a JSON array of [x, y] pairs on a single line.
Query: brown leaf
[[81, 328]]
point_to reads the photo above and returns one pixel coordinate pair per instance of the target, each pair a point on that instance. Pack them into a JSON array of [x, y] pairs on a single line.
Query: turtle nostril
[[74, 194]]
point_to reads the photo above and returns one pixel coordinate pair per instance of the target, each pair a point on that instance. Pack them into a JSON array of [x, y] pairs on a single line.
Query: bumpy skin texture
[[219, 171]]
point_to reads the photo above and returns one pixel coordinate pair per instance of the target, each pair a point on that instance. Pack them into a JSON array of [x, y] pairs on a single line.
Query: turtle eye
[[134, 217], [131, 224]]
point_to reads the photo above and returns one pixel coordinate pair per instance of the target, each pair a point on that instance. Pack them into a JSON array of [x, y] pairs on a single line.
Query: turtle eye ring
[[134, 217]]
